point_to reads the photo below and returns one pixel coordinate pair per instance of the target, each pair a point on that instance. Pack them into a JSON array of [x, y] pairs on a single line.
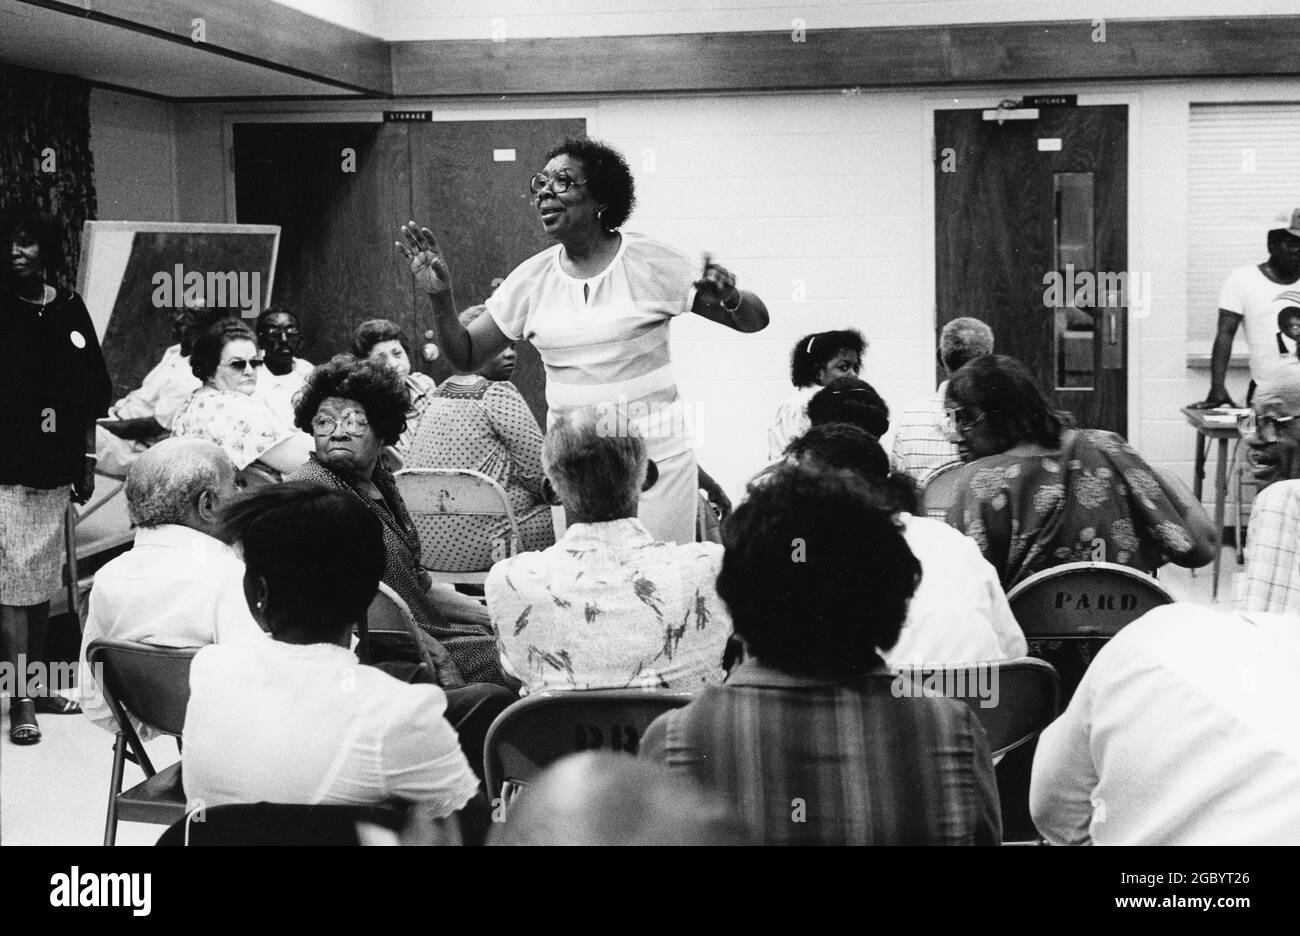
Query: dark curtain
[[44, 115]]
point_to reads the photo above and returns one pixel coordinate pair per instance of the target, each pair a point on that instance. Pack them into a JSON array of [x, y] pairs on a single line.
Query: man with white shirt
[[921, 444], [278, 382], [1182, 732], [178, 586], [1252, 296]]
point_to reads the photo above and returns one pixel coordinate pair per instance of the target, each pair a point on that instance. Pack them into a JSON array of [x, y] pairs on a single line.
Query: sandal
[[22, 722], [57, 705]]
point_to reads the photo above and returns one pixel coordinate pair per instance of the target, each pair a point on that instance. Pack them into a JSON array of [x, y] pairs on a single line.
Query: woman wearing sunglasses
[[1036, 493], [597, 307], [224, 410]]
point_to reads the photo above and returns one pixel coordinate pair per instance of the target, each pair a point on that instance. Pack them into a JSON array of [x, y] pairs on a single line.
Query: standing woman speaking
[[53, 385], [597, 307]]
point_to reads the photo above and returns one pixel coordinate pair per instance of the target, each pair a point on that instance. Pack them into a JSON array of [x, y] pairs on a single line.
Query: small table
[[1212, 424]]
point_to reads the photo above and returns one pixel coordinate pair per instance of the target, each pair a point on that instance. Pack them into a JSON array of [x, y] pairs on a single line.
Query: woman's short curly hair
[[379, 390], [1015, 406], [816, 572], [372, 331], [206, 354], [609, 180], [850, 400]]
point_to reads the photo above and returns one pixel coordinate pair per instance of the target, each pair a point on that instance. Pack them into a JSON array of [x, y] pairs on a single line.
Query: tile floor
[[55, 792]]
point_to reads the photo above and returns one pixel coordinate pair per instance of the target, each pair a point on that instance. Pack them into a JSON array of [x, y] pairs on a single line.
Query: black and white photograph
[[651, 422]]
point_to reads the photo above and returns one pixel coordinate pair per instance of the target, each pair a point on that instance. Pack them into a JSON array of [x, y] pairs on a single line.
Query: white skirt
[[31, 543]]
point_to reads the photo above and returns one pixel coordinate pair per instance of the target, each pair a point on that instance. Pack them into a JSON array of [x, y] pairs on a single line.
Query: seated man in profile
[[607, 607], [812, 738], [1182, 732], [178, 586], [1274, 446], [278, 382]]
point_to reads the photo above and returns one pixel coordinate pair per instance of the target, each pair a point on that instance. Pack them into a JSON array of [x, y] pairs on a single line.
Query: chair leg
[[114, 788], [1241, 559]]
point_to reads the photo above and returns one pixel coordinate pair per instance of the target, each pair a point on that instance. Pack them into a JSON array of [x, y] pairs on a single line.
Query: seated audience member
[[1036, 494], [850, 400], [1271, 581], [1273, 448], [353, 408], [921, 443], [295, 719], [1182, 732], [224, 409], [480, 421], [809, 738], [607, 606], [598, 798], [147, 413], [281, 377], [959, 613], [382, 342], [178, 586], [815, 361]]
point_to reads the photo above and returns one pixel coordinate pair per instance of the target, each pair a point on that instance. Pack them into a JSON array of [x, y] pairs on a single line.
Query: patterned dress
[[1093, 499], [241, 424], [484, 426]]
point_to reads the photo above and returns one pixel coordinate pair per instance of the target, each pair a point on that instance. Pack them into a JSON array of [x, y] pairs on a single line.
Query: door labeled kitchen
[[1031, 237]]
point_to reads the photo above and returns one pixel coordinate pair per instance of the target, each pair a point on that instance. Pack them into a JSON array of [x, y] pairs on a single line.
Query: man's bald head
[[613, 799], [167, 483]]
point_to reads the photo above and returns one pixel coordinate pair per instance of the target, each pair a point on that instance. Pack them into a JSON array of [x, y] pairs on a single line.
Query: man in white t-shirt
[[1253, 296], [279, 382]]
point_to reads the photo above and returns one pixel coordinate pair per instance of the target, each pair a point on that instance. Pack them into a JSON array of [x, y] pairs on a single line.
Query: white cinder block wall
[[823, 204]]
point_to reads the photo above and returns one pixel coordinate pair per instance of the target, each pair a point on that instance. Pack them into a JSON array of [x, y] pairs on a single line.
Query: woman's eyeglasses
[[560, 182], [353, 424], [242, 364], [957, 421]]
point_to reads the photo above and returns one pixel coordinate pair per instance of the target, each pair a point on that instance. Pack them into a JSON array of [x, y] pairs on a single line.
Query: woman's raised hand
[[427, 264]]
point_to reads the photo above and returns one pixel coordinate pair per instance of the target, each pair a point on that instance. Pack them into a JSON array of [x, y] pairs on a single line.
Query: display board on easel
[[133, 273]]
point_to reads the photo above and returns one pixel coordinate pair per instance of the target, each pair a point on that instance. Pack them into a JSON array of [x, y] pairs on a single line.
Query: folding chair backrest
[[150, 683], [279, 824], [390, 614], [1013, 699], [538, 730], [1084, 600], [940, 491], [254, 477], [434, 496]]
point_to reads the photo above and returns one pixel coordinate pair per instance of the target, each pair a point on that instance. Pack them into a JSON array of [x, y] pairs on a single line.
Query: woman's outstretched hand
[[427, 264]]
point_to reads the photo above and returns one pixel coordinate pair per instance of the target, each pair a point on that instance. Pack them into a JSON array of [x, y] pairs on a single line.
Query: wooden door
[[1031, 236], [339, 192], [469, 182]]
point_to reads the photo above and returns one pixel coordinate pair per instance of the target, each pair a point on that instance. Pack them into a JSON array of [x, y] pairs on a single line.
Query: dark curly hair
[[211, 341], [850, 400], [813, 352], [848, 448], [372, 331], [816, 572], [609, 180], [379, 390], [1015, 408]]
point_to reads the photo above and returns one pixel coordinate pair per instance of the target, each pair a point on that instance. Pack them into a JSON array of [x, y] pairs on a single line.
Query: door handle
[[1112, 346]]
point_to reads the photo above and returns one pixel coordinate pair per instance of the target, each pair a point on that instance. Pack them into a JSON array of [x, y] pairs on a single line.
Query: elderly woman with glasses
[[353, 408], [1035, 493], [597, 307], [223, 410]]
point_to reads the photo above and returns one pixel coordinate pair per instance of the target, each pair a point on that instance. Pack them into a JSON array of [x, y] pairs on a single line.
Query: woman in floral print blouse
[[1035, 493]]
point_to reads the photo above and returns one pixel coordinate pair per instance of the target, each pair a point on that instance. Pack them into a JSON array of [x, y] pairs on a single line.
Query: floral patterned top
[[608, 607], [241, 424], [1093, 499]]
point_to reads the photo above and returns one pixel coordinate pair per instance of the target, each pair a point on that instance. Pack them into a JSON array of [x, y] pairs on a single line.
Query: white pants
[[670, 508]]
